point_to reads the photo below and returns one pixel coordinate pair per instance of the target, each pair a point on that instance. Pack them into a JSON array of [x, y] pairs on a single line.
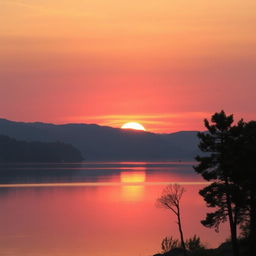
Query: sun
[[134, 126]]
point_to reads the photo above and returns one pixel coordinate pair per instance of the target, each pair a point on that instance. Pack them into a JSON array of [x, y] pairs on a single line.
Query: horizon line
[[101, 125]]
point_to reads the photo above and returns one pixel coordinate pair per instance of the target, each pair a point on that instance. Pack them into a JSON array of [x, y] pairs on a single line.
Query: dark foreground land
[[225, 249]]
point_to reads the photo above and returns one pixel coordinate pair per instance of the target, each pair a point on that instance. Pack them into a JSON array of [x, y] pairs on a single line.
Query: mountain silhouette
[[106, 143]]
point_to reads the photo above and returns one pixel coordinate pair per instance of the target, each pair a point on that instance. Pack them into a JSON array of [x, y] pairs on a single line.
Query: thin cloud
[[145, 117]]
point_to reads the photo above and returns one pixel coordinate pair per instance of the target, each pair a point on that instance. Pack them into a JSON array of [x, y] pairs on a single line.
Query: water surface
[[96, 208]]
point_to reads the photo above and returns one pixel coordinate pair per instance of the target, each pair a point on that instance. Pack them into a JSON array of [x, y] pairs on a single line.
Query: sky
[[167, 64]]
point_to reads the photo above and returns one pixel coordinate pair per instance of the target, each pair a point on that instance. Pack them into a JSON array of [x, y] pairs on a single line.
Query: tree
[[216, 165], [170, 199], [215, 195], [244, 173], [169, 243]]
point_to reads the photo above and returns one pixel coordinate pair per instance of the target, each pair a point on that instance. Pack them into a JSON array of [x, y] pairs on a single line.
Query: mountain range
[[101, 143]]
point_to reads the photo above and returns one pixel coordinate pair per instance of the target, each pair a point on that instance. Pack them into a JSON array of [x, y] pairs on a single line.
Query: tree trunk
[[181, 233], [232, 224], [234, 241], [252, 234]]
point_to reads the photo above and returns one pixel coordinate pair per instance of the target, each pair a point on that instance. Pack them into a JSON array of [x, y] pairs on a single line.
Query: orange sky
[[167, 64]]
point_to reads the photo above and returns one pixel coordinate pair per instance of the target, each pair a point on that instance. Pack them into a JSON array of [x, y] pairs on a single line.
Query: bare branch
[[170, 199]]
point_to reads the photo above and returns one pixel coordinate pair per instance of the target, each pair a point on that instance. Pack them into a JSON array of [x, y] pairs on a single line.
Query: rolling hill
[[99, 143]]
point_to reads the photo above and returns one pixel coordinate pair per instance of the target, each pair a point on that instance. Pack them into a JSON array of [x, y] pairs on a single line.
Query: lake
[[96, 208]]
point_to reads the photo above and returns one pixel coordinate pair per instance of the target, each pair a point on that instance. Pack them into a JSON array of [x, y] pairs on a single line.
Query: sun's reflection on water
[[133, 177], [132, 185]]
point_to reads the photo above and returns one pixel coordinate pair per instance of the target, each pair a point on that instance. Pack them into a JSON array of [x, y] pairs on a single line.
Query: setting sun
[[134, 126]]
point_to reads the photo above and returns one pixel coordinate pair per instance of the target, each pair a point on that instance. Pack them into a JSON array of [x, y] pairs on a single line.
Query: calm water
[[96, 209]]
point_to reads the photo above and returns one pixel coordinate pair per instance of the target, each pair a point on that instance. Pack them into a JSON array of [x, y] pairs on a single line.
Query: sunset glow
[[133, 126], [111, 118], [102, 60]]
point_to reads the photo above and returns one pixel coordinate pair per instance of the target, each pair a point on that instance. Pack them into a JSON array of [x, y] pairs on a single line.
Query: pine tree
[[216, 165]]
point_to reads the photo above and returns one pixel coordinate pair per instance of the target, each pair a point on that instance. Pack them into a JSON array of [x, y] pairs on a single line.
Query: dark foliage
[[169, 243], [218, 165], [12, 150], [194, 244], [244, 175]]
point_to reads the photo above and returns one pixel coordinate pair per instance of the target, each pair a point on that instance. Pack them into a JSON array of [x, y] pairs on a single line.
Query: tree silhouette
[[215, 196], [169, 243], [170, 199], [244, 175], [194, 243], [217, 165]]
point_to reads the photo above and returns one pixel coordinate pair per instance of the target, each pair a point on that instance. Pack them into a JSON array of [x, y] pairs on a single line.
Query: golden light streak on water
[[97, 184]]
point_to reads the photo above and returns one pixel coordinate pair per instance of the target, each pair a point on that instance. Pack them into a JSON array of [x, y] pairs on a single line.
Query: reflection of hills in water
[[99, 173]]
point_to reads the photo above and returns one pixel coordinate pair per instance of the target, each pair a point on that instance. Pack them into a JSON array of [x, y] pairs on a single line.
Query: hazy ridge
[[106, 143]]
